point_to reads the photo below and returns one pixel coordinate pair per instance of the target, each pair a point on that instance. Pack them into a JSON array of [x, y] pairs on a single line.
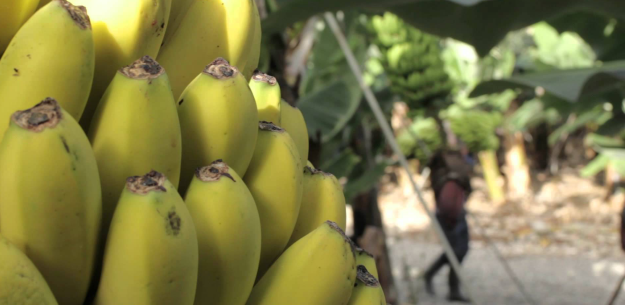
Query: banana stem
[[488, 160]]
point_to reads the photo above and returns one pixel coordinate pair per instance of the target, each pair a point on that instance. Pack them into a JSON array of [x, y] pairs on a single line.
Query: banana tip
[[46, 114], [214, 171], [269, 126], [78, 13], [150, 182], [220, 68], [315, 171], [143, 68], [263, 77], [363, 275]]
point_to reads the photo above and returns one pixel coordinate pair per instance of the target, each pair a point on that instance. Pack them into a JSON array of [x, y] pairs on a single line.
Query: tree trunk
[[488, 160], [611, 180], [517, 169]]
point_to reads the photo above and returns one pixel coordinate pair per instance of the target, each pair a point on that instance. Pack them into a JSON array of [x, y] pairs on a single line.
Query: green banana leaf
[[329, 108], [571, 84], [596, 165], [597, 114], [595, 139], [342, 164], [481, 23], [603, 33], [365, 181]]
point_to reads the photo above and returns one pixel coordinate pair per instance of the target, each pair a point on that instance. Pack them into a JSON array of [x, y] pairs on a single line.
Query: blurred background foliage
[[532, 67], [512, 82]]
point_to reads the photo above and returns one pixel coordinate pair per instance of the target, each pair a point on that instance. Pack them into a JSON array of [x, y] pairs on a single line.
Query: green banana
[[135, 129], [320, 268], [322, 200], [275, 179], [52, 55], [266, 92], [218, 119], [228, 228], [151, 254], [367, 289], [292, 120], [51, 203]]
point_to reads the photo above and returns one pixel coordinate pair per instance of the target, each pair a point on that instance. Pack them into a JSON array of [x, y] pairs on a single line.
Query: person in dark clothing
[[450, 181]]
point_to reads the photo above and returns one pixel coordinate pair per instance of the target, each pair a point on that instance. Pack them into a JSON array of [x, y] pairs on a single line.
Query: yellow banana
[[42, 3], [13, 14], [20, 280], [135, 129], [367, 289], [52, 55], [275, 179], [254, 51], [218, 119], [51, 204], [123, 31], [151, 254], [322, 200], [309, 164], [178, 10], [228, 227], [207, 30], [292, 120], [266, 92], [366, 259], [320, 268]]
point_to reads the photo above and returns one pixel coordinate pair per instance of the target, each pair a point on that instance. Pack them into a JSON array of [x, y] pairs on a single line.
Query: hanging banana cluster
[[476, 128], [411, 60], [419, 138], [144, 160]]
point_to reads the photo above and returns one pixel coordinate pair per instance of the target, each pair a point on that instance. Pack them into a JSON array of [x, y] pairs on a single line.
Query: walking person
[[450, 181]]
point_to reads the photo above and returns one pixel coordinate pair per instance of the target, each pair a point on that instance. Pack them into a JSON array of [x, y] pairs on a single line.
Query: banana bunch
[[422, 134], [411, 60], [476, 128], [146, 160]]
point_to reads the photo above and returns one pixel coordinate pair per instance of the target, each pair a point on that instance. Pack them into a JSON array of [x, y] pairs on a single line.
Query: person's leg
[[441, 261], [461, 248], [432, 270]]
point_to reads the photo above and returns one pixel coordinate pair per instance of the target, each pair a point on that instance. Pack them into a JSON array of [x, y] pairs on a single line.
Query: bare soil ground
[[562, 241]]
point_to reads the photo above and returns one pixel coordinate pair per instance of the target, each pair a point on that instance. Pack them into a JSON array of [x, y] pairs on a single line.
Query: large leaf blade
[[329, 108], [570, 85], [481, 23]]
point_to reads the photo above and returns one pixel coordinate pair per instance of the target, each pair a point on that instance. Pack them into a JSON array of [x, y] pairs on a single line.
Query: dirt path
[[549, 280], [562, 242]]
